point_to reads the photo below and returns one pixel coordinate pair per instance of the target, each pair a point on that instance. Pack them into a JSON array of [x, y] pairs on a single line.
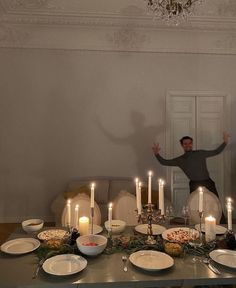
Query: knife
[[211, 266]]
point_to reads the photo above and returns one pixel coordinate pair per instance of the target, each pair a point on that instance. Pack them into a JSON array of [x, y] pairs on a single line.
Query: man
[[193, 162]]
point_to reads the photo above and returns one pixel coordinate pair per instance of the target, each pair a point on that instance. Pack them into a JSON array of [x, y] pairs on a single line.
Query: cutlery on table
[[36, 272], [211, 266], [124, 260]]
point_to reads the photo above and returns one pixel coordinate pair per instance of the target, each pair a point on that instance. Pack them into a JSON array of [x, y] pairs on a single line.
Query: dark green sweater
[[193, 163]]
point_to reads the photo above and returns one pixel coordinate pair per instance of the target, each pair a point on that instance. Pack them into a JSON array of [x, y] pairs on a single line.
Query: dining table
[[106, 270]]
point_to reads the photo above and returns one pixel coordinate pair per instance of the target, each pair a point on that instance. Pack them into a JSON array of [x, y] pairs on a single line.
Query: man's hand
[[156, 148], [226, 137]]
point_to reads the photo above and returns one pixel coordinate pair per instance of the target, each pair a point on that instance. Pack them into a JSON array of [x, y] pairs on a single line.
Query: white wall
[[81, 113]]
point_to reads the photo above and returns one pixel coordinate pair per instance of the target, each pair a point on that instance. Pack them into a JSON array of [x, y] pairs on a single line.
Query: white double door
[[202, 117]]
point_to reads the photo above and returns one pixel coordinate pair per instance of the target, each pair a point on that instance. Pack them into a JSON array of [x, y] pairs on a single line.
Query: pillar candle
[[68, 205], [139, 198], [136, 189], [210, 228], [229, 213], [149, 187], [92, 195], [76, 215], [109, 215], [200, 201], [161, 197], [84, 225]]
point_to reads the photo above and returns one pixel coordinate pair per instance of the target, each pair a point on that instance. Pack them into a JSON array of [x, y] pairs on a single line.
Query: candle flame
[[161, 182], [68, 202], [93, 185], [110, 205], [77, 206], [150, 173], [140, 184], [136, 180]]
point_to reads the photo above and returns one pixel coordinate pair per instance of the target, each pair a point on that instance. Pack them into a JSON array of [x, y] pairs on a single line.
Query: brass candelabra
[[149, 215]]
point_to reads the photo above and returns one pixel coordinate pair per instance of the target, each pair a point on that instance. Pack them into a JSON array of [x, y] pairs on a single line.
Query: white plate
[[151, 260], [156, 229], [65, 264], [96, 229], [214, 209], [20, 246], [224, 257], [176, 232], [219, 229], [52, 233]]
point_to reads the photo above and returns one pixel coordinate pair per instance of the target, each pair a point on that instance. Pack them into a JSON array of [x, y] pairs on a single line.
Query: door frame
[[226, 124]]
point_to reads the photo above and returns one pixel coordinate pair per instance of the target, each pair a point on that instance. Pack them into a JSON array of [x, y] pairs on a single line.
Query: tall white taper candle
[[149, 187], [76, 221], [161, 197], [200, 201], [68, 212], [92, 195], [229, 213]]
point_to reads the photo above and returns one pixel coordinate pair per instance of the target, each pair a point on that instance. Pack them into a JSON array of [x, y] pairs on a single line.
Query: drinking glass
[[185, 214], [169, 213], [194, 240]]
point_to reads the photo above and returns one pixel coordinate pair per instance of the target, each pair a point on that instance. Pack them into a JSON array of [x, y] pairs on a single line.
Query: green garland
[[128, 244]]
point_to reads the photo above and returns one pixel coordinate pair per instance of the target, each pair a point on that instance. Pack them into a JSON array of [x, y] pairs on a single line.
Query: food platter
[[179, 234], [52, 233]]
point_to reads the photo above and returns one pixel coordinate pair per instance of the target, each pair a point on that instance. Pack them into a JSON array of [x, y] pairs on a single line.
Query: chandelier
[[172, 11]]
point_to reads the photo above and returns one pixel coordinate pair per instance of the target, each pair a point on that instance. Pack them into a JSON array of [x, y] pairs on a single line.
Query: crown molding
[[45, 25]]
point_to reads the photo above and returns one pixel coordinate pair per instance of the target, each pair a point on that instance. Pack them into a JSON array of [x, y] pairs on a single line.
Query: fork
[[36, 272]]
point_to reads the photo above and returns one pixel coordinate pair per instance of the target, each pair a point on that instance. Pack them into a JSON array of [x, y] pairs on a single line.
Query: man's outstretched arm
[[219, 149], [166, 162]]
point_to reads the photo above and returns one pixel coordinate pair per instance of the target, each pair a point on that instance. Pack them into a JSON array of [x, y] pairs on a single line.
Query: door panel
[[201, 117], [181, 119]]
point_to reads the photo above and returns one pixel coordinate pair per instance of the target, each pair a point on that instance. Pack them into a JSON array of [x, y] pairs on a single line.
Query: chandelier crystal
[[172, 11]]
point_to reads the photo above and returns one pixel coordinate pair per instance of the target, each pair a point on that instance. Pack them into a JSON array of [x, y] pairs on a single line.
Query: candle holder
[[92, 218], [200, 224], [150, 215]]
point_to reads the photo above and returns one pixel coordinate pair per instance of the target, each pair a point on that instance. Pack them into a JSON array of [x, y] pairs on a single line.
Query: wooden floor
[[7, 228]]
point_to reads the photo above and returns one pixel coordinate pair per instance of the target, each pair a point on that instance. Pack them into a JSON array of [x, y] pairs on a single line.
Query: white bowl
[[32, 225], [117, 226], [82, 242]]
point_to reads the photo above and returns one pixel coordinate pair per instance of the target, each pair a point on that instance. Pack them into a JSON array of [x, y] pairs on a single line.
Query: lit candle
[[139, 198], [92, 195], [76, 215], [109, 215], [229, 213], [68, 212], [84, 225], [136, 189], [149, 187], [200, 200], [210, 228], [161, 196]]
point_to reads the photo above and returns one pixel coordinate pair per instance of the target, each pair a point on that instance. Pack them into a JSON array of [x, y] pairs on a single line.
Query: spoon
[[124, 260]]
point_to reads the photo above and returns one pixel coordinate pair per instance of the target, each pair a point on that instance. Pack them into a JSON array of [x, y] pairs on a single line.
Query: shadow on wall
[[140, 140]]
